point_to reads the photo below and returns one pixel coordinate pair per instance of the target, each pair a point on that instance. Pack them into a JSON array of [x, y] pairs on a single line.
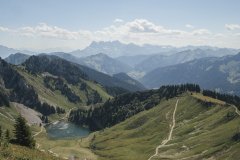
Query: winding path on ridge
[[164, 142]]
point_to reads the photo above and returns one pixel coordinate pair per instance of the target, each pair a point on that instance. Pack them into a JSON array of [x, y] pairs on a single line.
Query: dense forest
[[126, 105], [4, 100], [114, 91]]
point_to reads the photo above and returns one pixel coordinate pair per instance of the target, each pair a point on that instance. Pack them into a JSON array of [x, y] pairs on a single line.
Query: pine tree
[[7, 138], [0, 132], [23, 134], [7, 135], [0, 135]]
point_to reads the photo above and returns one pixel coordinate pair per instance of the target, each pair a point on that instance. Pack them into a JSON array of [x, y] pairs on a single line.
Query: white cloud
[[118, 20], [201, 32], [232, 26], [238, 34], [139, 31], [189, 26], [47, 31], [4, 29], [138, 26]]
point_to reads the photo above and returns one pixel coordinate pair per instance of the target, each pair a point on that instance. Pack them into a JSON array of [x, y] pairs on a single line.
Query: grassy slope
[[7, 114], [200, 132], [64, 148], [99, 89], [14, 152], [137, 137]]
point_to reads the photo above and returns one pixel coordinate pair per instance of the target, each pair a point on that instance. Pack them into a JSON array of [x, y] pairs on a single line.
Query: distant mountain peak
[[100, 54], [17, 58]]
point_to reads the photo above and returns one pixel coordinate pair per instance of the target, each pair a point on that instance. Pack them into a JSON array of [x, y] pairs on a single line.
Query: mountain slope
[[73, 71], [66, 56], [132, 60], [201, 132], [17, 58], [103, 63], [100, 62], [126, 105], [211, 73], [16, 89], [5, 51], [124, 77], [158, 60], [108, 81], [48, 88]]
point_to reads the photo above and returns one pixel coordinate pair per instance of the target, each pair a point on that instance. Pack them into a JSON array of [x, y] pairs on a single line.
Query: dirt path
[[236, 110], [38, 145], [164, 142], [38, 132]]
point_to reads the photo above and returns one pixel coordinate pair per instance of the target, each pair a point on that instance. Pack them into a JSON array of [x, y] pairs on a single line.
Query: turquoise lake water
[[62, 129]]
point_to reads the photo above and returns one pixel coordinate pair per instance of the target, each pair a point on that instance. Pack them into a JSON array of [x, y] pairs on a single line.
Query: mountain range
[[158, 60], [218, 73], [116, 48], [153, 70]]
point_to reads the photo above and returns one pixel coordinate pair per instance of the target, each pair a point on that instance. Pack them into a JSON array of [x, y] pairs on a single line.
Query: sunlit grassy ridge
[[201, 131], [207, 99]]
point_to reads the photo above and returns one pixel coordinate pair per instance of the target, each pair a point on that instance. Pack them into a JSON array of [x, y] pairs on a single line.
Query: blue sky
[[75, 23]]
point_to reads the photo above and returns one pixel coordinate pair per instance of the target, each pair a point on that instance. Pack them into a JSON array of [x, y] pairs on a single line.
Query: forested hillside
[[124, 106]]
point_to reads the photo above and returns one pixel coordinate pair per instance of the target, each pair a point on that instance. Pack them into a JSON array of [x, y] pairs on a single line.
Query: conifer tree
[[23, 134], [0, 135], [7, 136], [0, 132]]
